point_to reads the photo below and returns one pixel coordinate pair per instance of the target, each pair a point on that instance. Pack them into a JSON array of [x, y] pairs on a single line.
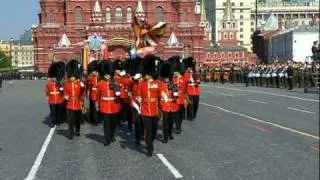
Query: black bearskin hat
[[189, 62], [106, 67], [136, 66], [61, 70], [149, 65], [53, 70], [73, 69], [175, 63], [118, 65], [165, 70], [92, 66], [128, 66]]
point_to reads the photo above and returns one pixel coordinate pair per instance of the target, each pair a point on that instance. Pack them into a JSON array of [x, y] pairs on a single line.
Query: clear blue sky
[[16, 16]]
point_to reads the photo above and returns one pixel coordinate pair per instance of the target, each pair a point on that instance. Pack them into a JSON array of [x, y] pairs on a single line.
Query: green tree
[[5, 61]]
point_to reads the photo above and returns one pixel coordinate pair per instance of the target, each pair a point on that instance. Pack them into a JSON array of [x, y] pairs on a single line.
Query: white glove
[[81, 84], [117, 93], [61, 89], [175, 94]]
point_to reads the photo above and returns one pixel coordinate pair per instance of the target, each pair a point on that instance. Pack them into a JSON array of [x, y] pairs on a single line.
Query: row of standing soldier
[[140, 91], [272, 75]]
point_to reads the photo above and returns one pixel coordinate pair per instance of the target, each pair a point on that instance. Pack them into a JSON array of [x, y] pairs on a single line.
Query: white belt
[[108, 98], [54, 93]]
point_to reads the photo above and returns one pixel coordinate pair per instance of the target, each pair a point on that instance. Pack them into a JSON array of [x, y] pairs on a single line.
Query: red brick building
[[112, 20], [228, 50]]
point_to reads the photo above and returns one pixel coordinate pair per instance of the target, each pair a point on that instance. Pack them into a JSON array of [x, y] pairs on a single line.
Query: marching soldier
[[126, 82], [150, 94], [168, 103], [193, 91], [290, 76], [136, 101], [74, 94], [92, 87], [108, 101], [54, 93], [178, 80]]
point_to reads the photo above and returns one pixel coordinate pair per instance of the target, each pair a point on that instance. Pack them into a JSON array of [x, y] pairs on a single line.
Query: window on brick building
[[225, 36], [230, 36], [129, 15], [108, 15], [78, 15], [159, 14], [241, 23], [241, 3], [241, 16], [241, 29], [118, 15], [52, 18]]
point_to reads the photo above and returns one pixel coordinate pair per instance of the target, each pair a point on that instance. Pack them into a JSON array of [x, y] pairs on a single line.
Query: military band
[[142, 92]]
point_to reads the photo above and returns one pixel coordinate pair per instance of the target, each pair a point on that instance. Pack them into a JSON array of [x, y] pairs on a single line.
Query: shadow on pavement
[[46, 120], [127, 140], [63, 132], [96, 137]]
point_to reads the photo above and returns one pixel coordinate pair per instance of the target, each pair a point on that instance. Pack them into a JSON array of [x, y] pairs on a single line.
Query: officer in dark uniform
[[246, 75], [222, 74], [290, 75]]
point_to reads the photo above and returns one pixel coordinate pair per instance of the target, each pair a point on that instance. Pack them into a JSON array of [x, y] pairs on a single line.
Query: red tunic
[[192, 84], [108, 102], [182, 86], [54, 95], [74, 93], [167, 104], [135, 89], [92, 87], [150, 94]]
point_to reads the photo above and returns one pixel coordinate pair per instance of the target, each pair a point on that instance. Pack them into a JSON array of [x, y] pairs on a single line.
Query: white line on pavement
[[37, 162], [262, 92], [252, 100], [230, 95], [173, 170], [300, 110], [262, 121]]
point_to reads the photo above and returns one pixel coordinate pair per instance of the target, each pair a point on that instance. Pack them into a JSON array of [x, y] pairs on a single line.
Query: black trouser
[[278, 81], [182, 112], [74, 118], [192, 108], [138, 125], [222, 78], [246, 80], [0, 82], [290, 83], [94, 115], [150, 125], [127, 113], [109, 125], [168, 119], [56, 113]]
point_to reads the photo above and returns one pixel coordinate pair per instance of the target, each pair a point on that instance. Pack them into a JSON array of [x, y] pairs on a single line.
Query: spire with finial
[[203, 11], [228, 15], [97, 8], [139, 9], [97, 16]]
